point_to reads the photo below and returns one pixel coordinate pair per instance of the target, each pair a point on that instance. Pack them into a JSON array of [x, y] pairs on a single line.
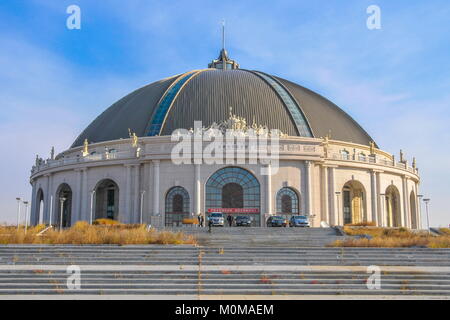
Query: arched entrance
[[353, 202], [107, 200], [392, 207], [413, 207], [39, 217], [234, 191], [64, 205], [287, 202], [177, 206]]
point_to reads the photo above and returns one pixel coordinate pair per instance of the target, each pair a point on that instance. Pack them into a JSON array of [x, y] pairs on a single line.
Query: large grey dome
[[207, 95]]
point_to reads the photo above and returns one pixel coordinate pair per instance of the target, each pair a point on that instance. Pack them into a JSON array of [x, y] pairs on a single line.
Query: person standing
[[230, 220]]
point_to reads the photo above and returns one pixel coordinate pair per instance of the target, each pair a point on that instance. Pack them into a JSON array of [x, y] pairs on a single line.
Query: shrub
[[391, 237], [107, 222], [83, 233], [362, 224]]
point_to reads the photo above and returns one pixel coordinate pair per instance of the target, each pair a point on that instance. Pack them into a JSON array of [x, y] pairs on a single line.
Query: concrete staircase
[[189, 255], [270, 237], [226, 282], [228, 263]]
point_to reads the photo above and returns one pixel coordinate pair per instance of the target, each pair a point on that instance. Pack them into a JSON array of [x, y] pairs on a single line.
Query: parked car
[[276, 221], [243, 221], [217, 219], [299, 221]]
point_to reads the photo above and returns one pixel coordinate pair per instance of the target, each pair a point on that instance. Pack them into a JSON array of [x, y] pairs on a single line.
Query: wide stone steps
[[190, 255], [281, 282], [227, 262], [270, 237]]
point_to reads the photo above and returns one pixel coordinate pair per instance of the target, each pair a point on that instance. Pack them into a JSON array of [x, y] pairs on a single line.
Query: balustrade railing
[[374, 160], [92, 157]]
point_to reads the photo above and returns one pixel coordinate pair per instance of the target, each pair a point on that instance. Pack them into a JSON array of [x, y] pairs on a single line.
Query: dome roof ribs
[[162, 109], [292, 106]]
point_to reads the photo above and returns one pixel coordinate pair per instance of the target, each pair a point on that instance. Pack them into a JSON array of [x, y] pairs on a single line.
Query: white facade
[[325, 174]]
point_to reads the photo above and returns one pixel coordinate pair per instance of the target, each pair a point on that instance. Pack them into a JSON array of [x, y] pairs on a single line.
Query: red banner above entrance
[[234, 210]]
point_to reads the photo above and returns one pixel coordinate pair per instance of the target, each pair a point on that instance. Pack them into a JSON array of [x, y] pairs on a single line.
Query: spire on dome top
[[223, 61], [223, 34]]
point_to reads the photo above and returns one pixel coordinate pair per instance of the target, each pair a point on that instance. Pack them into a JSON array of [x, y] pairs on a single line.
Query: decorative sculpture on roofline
[[237, 126], [325, 144], [85, 148], [134, 138], [372, 147]]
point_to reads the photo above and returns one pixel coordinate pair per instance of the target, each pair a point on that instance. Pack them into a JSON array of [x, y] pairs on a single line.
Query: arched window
[[106, 200], [392, 207], [177, 206], [287, 201], [177, 203], [353, 202], [64, 205], [232, 195]]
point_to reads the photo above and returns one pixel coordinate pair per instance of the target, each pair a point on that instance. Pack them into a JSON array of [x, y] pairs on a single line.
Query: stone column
[[374, 196], [34, 213], [308, 189], [268, 194], [418, 207], [325, 203], [137, 194], [155, 187], [406, 220], [333, 204], [47, 193], [197, 190], [126, 216], [77, 209], [85, 199], [380, 206]]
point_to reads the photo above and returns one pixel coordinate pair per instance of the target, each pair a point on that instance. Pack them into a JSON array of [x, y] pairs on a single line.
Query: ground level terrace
[[163, 194]]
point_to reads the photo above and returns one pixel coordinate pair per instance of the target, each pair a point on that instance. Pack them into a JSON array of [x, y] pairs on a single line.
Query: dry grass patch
[[84, 233], [391, 238], [362, 224], [445, 231]]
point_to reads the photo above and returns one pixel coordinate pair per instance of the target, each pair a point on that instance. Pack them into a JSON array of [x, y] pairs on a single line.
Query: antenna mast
[[223, 33]]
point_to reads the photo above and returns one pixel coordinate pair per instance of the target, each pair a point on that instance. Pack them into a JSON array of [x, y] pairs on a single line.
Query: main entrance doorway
[[234, 191]]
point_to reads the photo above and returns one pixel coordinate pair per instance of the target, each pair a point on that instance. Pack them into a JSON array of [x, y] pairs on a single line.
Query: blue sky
[[395, 81]]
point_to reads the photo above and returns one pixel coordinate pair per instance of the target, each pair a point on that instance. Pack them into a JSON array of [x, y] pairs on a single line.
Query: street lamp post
[[18, 212], [338, 208], [428, 217], [142, 206], [26, 215], [61, 201]]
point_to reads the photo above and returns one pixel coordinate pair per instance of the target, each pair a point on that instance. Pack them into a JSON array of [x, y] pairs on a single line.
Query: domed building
[[327, 167]]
